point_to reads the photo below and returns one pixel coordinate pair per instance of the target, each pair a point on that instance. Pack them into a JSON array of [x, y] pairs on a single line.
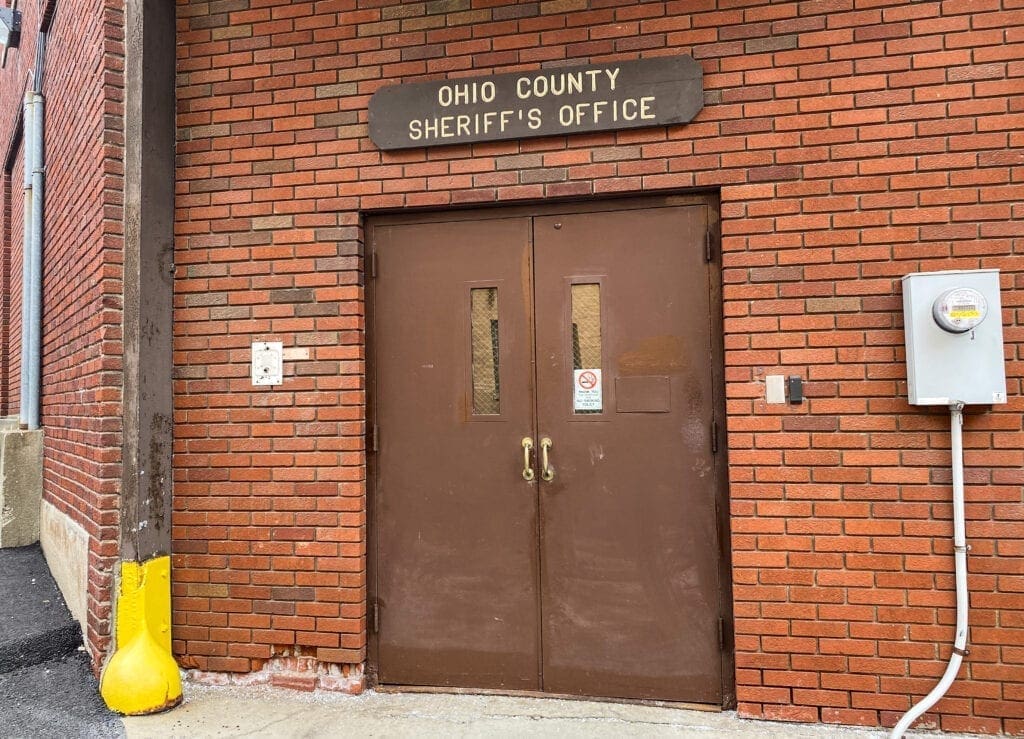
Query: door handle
[[547, 473], [527, 469]]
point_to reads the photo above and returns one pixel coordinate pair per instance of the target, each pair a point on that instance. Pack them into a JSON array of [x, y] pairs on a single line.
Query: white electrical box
[[267, 363], [953, 325]]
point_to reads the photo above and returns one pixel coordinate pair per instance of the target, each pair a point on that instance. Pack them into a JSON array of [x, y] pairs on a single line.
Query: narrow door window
[[586, 348], [484, 341]]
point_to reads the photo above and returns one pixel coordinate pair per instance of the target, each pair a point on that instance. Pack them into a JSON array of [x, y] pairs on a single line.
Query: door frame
[[711, 201]]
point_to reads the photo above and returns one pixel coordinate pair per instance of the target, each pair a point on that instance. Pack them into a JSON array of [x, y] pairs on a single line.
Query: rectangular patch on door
[[643, 394]]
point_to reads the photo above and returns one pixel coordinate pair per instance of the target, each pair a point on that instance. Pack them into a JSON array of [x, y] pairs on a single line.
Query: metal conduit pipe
[[26, 262], [34, 353], [960, 564]]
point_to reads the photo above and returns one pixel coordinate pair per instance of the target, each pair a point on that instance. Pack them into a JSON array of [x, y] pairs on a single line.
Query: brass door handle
[[527, 469], [547, 473]]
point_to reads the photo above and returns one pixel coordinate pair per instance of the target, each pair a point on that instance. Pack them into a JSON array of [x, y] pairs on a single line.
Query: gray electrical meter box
[[954, 335]]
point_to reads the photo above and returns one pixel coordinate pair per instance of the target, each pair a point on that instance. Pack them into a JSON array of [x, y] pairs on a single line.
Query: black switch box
[[795, 389]]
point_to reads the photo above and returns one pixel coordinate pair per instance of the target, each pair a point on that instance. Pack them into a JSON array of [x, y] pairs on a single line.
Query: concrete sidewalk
[[270, 712]]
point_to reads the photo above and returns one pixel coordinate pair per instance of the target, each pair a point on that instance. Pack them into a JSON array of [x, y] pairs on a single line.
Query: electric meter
[[954, 337], [959, 310]]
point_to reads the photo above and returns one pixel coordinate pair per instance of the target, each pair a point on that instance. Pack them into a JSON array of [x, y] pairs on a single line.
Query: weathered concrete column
[[21, 486], [148, 267], [141, 676]]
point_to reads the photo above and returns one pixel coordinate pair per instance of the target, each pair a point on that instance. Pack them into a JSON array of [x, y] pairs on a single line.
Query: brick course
[[851, 142]]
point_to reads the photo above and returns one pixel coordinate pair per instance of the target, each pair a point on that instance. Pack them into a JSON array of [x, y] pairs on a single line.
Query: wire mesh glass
[[484, 338], [586, 329]]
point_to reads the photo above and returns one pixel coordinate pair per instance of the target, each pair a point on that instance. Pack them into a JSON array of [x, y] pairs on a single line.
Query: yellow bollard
[[142, 676]]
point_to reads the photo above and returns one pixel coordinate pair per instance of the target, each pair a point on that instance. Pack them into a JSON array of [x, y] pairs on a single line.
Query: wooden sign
[[555, 101]]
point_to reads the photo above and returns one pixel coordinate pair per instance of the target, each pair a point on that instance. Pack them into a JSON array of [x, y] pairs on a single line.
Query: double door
[[544, 482]]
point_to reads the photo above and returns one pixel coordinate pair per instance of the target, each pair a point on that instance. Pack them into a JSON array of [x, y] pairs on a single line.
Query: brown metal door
[[604, 579], [629, 551], [456, 522]]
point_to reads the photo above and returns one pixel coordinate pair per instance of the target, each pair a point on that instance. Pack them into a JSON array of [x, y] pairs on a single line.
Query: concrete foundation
[[66, 546], [21, 486]]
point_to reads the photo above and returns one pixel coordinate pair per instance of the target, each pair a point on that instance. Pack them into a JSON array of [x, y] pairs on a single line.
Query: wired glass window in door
[[586, 340], [484, 341]]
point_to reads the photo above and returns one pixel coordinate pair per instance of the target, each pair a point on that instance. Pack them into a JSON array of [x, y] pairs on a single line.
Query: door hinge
[[714, 437], [373, 437], [708, 254], [374, 616], [373, 264], [721, 633]]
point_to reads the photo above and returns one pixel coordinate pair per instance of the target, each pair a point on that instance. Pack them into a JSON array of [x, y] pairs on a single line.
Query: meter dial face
[[959, 310]]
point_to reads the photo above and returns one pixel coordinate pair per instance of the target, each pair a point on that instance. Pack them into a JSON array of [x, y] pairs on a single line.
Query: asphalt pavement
[[58, 698], [35, 624], [47, 688]]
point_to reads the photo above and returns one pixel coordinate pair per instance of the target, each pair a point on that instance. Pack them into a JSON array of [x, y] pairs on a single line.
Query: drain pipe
[[35, 343], [960, 564], [26, 262]]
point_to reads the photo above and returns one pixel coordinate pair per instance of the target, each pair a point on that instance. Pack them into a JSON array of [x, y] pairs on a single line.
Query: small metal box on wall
[[954, 337]]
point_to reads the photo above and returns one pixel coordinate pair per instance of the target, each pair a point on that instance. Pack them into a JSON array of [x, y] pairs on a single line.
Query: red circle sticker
[[587, 380]]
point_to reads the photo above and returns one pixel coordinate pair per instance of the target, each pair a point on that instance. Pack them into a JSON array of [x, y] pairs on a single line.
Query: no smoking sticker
[[586, 390]]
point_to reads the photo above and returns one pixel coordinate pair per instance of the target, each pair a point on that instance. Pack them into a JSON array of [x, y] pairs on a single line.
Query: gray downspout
[[34, 351], [34, 354], [26, 261]]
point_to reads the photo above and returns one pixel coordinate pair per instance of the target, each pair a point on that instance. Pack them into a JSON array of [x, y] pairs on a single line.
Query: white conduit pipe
[[34, 351], [26, 262], [960, 565]]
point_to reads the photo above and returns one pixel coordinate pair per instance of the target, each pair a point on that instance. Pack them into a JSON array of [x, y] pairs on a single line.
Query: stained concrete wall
[[21, 486], [66, 546]]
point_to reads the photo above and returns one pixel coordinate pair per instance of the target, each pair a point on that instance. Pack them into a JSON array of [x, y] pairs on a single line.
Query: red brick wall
[[82, 271], [82, 301], [850, 146], [13, 199], [5, 286], [12, 150]]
